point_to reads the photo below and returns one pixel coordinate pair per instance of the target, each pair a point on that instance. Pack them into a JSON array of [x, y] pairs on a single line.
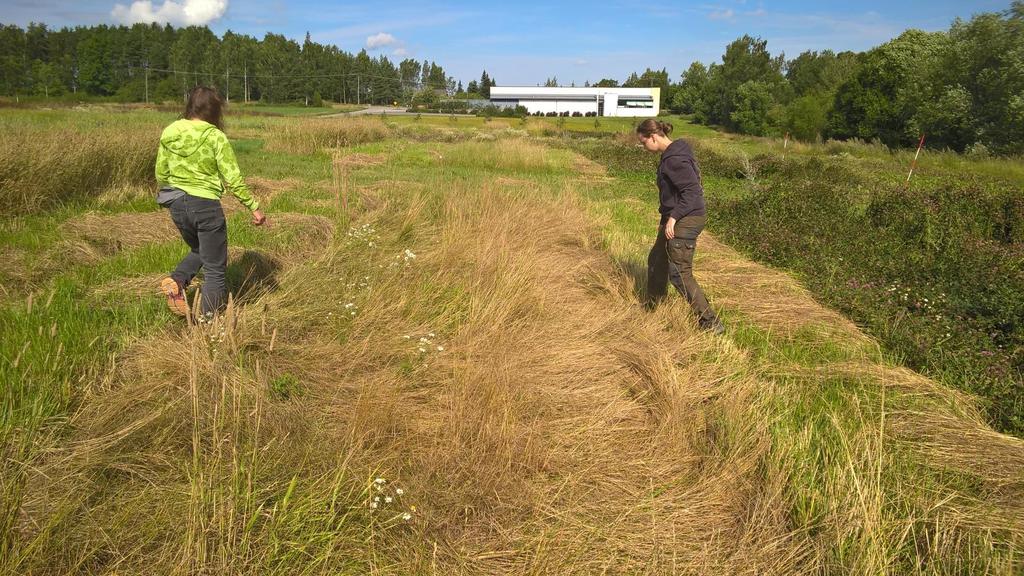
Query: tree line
[[963, 88], [150, 62]]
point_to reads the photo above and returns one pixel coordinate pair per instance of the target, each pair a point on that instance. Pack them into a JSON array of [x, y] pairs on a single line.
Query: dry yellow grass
[[315, 134], [45, 168]]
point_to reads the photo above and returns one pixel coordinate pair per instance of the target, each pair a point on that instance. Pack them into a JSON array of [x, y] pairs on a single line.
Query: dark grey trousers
[[203, 227], [672, 261]]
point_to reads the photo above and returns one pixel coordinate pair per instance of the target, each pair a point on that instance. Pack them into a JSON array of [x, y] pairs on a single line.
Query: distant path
[[387, 111]]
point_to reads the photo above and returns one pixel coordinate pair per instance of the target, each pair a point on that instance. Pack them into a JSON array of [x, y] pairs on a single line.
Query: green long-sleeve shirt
[[196, 157]]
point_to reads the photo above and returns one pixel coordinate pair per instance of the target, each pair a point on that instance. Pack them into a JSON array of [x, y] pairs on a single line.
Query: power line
[[287, 76]]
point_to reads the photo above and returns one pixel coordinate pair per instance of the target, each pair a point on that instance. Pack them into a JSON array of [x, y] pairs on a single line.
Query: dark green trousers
[[672, 260]]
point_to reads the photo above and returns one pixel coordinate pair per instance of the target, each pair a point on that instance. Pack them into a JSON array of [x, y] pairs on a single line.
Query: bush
[[929, 271], [491, 110], [424, 99]]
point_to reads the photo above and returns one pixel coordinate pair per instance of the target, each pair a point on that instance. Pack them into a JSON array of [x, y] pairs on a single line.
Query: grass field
[[436, 363]]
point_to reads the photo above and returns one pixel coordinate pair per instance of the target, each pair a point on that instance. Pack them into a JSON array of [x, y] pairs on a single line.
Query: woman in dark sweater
[[682, 219]]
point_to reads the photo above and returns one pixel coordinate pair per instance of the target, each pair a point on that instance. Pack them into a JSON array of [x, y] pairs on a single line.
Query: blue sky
[[527, 41]]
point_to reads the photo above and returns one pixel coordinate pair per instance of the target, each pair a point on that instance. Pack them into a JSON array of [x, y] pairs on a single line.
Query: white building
[[632, 102]]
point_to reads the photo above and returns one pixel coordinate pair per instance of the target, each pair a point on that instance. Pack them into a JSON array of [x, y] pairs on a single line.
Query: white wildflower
[[406, 516]]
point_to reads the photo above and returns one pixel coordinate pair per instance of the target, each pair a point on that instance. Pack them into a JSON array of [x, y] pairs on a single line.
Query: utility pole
[[246, 89], [358, 90], [147, 82], [227, 84]]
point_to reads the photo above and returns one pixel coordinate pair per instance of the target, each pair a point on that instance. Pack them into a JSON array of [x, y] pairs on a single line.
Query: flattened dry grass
[[533, 441], [94, 236]]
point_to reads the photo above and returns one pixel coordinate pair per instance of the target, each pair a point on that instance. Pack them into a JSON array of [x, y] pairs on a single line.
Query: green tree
[[409, 70], [607, 83], [652, 79], [752, 107], [882, 98], [692, 95], [807, 116], [980, 74], [45, 81], [746, 59], [485, 85], [13, 61], [37, 42], [94, 70], [947, 119]]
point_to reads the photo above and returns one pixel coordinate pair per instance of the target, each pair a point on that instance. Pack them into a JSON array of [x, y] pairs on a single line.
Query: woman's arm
[[163, 173], [227, 165]]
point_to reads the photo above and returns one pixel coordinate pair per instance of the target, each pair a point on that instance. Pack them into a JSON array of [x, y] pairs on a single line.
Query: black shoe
[[715, 326]]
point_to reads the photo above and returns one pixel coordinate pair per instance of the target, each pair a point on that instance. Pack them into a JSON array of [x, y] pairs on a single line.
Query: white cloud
[[183, 13], [380, 40], [400, 52], [722, 14]]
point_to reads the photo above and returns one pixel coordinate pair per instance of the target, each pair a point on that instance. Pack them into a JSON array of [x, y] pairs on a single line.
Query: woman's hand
[[670, 228], [258, 218]]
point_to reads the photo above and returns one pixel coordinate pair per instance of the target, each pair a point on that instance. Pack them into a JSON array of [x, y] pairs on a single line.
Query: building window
[[636, 102]]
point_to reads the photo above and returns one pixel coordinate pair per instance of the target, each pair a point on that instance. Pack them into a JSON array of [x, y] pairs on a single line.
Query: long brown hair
[[650, 127], [204, 103]]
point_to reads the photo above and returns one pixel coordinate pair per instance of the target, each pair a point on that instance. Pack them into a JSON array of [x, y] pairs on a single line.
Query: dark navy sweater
[[679, 187]]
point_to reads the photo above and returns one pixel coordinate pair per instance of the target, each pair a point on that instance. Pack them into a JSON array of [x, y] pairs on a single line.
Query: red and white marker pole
[[913, 165]]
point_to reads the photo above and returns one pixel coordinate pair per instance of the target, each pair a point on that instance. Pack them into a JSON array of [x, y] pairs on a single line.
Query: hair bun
[[666, 128]]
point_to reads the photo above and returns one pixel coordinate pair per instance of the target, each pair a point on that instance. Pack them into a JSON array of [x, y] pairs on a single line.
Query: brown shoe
[[175, 296]]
